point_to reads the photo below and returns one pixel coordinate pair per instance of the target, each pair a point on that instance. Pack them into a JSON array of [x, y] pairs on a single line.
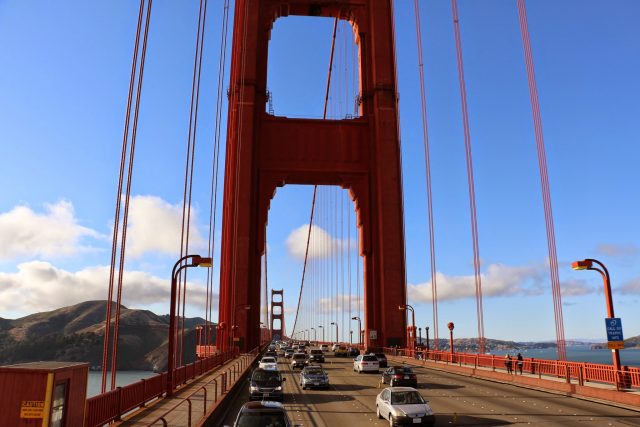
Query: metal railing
[[224, 381], [109, 406], [581, 372]]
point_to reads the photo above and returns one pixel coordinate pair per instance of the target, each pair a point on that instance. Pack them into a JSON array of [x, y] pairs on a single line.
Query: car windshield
[[381, 356], [313, 371], [265, 376], [342, 347], [403, 370], [316, 352], [261, 419], [406, 398], [299, 356], [370, 358], [268, 360]]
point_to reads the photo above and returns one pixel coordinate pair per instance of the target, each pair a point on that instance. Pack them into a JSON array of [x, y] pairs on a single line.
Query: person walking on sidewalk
[[508, 363], [519, 363]]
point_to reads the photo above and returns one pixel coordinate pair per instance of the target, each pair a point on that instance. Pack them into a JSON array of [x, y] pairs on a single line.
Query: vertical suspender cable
[[116, 222], [427, 159], [123, 240], [544, 181], [189, 166], [470, 181], [213, 198]]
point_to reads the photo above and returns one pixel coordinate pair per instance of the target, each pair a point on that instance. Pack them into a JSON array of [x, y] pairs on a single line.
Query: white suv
[[366, 363]]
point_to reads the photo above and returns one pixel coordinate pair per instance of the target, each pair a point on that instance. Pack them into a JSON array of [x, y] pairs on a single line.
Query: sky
[[63, 88]]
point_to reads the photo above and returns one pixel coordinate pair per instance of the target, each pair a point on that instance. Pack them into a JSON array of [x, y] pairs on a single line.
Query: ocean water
[[580, 353], [123, 378]]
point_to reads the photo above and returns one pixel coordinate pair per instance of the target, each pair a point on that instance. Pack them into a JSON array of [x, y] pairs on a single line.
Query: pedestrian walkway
[[193, 401]]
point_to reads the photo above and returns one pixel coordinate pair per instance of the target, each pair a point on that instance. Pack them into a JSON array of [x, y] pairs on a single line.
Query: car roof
[[397, 389], [261, 405]]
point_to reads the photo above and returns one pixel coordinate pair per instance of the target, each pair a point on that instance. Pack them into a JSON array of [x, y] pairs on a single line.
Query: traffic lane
[[451, 395]]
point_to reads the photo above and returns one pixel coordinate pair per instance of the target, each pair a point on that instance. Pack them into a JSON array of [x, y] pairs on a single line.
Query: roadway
[[455, 399]]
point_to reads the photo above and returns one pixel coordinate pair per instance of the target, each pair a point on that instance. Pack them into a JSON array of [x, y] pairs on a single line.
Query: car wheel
[[378, 413], [391, 419], [392, 383]]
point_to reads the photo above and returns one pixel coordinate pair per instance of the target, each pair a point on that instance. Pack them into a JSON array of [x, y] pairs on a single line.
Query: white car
[[268, 363], [404, 405], [335, 347], [366, 363], [324, 347]]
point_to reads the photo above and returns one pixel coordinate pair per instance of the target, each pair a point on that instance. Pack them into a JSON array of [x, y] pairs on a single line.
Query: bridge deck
[[455, 399]]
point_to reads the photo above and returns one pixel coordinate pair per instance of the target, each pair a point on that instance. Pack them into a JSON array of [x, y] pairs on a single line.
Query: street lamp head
[[333, 323], [199, 261], [402, 307], [582, 265], [355, 318]]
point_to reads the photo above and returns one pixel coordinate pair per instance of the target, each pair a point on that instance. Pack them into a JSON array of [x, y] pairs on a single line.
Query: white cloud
[[329, 305], [155, 226], [497, 280], [321, 244], [632, 287], [615, 250], [40, 286], [53, 233]]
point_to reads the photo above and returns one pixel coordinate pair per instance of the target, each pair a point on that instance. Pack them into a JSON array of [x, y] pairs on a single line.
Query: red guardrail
[[111, 405], [628, 377]]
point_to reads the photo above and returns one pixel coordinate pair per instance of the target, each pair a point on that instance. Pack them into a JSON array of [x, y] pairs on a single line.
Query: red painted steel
[[361, 155], [111, 405], [573, 371], [279, 332]]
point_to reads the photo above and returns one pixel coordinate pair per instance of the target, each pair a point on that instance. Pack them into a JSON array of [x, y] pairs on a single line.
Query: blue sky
[[63, 88]]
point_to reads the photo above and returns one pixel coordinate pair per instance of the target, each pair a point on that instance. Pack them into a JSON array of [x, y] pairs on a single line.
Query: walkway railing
[[582, 372], [111, 405], [222, 382]]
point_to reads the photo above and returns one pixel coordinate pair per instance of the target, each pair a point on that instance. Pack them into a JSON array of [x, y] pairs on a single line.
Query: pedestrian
[[508, 363], [520, 361]]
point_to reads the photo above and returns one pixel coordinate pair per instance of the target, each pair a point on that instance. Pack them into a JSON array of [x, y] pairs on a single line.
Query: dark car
[[353, 352], [271, 354], [316, 356], [314, 376], [399, 376], [266, 384], [382, 360], [262, 414]]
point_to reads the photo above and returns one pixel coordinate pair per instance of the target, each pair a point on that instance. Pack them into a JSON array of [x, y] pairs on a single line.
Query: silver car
[[313, 376], [404, 405]]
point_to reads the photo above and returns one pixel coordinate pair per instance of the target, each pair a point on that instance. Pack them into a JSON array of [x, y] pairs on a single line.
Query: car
[[316, 355], [324, 347], [298, 360], [399, 376], [272, 347], [288, 353], [353, 352], [341, 351], [382, 359], [271, 354], [313, 376], [404, 405], [268, 362], [335, 347], [366, 363], [266, 384], [264, 413]]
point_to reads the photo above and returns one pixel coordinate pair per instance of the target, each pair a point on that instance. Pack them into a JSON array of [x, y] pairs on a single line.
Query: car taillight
[[397, 376]]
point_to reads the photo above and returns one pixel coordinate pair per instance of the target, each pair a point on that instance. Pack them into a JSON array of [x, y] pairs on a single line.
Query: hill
[[76, 333]]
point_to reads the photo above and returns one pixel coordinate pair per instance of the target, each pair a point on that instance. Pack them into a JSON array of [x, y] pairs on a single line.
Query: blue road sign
[[614, 329]]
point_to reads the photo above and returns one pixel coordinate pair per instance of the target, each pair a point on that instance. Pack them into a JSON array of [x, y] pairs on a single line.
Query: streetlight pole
[[450, 325], [587, 264], [336, 323], [359, 328], [322, 327], [420, 335], [351, 337], [195, 261], [315, 337], [413, 323]]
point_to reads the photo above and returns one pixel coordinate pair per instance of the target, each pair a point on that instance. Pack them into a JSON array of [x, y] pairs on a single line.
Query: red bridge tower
[[361, 155]]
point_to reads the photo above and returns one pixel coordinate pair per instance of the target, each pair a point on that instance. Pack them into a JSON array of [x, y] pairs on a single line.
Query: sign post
[[615, 338]]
